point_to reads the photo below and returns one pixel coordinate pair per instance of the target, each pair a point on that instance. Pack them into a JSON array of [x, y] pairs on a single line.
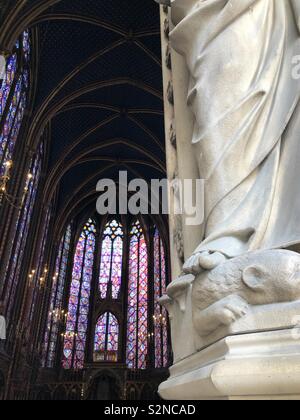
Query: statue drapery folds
[[245, 99]]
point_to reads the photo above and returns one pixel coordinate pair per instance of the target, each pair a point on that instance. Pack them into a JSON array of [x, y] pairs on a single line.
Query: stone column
[[175, 222], [179, 123]]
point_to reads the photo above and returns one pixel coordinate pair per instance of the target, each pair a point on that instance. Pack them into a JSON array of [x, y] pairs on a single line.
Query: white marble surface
[[258, 291], [263, 366], [246, 118], [234, 334]]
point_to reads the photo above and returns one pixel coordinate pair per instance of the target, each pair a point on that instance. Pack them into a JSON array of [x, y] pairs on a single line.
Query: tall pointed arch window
[[13, 98], [137, 319], [21, 229], [160, 314], [78, 308], [111, 260], [56, 313], [106, 342]]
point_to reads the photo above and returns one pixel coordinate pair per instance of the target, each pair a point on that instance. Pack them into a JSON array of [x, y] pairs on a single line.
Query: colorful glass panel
[[137, 321], [13, 99], [160, 314], [56, 314], [106, 342], [20, 234], [78, 309], [111, 260]]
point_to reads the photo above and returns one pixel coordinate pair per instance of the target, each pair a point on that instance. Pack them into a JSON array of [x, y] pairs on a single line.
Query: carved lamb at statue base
[[225, 294]]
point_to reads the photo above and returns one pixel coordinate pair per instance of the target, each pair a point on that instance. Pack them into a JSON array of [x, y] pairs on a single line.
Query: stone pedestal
[[257, 366]]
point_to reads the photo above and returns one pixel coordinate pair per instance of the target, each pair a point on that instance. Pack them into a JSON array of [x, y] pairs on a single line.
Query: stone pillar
[[175, 222], [179, 124]]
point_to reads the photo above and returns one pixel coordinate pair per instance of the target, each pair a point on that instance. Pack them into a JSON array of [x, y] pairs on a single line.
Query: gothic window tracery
[[18, 241], [145, 321], [56, 313], [111, 259], [13, 98], [106, 344], [137, 318], [78, 308]]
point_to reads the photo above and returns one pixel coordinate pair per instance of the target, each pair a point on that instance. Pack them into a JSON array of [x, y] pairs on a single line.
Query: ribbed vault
[[99, 89]]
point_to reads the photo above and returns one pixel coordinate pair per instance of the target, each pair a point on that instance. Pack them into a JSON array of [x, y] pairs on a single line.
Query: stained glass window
[[111, 260], [56, 314], [13, 98], [137, 321], [160, 314], [78, 309], [20, 234], [106, 343]]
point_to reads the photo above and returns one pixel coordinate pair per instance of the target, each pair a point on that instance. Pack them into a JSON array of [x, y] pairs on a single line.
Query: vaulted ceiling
[[99, 88]]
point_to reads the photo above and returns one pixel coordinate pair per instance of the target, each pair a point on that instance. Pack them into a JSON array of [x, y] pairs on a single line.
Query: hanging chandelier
[[4, 195]]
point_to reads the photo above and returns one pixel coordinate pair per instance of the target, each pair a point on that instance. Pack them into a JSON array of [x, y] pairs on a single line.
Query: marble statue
[[243, 280], [245, 101]]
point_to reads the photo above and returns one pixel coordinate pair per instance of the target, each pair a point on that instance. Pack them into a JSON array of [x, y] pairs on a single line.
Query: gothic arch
[[42, 117], [62, 167], [107, 380]]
